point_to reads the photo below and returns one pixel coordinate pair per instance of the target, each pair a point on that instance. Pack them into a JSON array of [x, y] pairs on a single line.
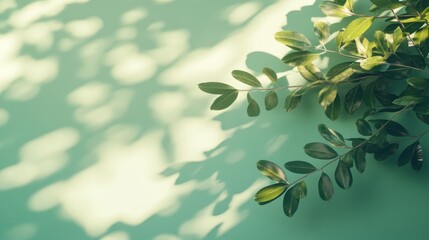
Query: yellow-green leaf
[[293, 40], [357, 28], [270, 193]]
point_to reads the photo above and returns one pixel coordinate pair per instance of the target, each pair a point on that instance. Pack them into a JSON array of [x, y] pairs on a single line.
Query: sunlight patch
[[241, 13], [84, 28]]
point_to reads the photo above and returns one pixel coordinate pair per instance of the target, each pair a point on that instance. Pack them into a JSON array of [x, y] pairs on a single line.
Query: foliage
[[387, 71]]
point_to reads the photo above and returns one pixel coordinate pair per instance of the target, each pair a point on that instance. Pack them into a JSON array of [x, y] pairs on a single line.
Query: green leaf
[[224, 100], [270, 193], [385, 151], [246, 78], [357, 28], [271, 74], [421, 108], [360, 160], [423, 118], [299, 190], [292, 102], [333, 9], [348, 158], [300, 167], [327, 95], [418, 83], [363, 127], [290, 203], [322, 31], [381, 43], [253, 109], [421, 36], [326, 189], [310, 72], [271, 100], [417, 161], [407, 154], [299, 58], [340, 72], [333, 137], [397, 39], [294, 40], [372, 62], [339, 39], [392, 128], [343, 175], [272, 171], [353, 99], [320, 151], [410, 100], [369, 95], [333, 110], [216, 88]]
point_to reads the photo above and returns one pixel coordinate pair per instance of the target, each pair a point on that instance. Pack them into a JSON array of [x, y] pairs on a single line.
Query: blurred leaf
[[299, 58], [322, 31], [271, 100], [353, 99], [385, 151], [363, 127], [246, 78], [294, 40], [357, 28], [343, 176], [340, 72], [333, 137], [299, 190], [270, 193], [300, 167], [381, 43], [327, 95], [253, 109], [224, 100], [410, 100], [417, 161], [333, 110], [407, 154], [310, 72], [418, 83], [421, 108], [216, 88], [392, 128], [271, 74], [348, 158], [360, 160], [369, 95], [291, 102], [372, 62], [290, 203], [320, 151], [333, 9], [326, 189], [272, 171]]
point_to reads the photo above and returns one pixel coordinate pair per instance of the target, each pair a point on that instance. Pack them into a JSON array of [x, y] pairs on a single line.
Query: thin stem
[[406, 66]]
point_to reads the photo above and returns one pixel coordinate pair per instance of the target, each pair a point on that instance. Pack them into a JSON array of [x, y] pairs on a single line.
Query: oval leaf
[[299, 190], [407, 154], [310, 72], [417, 161], [363, 127], [320, 151], [326, 189], [271, 170], [333, 9], [372, 62], [291, 102], [216, 88], [300, 167], [293, 40], [333, 137], [224, 100], [270, 193], [410, 100], [246, 78], [299, 58], [343, 175], [333, 110], [321, 29], [353, 99], [271, 74], [392, 128], [253, 109], [271, 100], [357, 28], [290, 203], [418, 83], [360, 160], [327, 95]]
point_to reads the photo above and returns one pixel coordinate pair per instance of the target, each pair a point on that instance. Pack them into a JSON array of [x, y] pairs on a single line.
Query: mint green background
[[385, 202]]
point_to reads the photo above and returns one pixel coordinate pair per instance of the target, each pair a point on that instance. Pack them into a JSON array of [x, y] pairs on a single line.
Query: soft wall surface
[[105, 135]]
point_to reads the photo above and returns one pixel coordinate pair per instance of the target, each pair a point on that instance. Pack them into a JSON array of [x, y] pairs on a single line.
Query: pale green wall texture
[[105, 135]]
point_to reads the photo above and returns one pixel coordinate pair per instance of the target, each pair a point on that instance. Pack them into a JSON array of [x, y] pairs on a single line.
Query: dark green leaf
[[410, 100], [407, 154], [363, 127], [385, 151], [320, 151], [421, 108], [246, 78], [294, 40], [333, 110], [385, 98], [333, 9], [300, 167], [290, 203], [253, 109], [418, 83], [299, 58], [326, 189], [357, 28], [348, 158], [271, 100], [423, 118], [224, 100], [357, 142], [417, 161], [392, 128], [299, 190], [271, 74], [270, 193], [216, 88], [310, 72], [272, 171], [322, 31], [291, 102], [333, 137], [353, 99], [343, 175], [360, 160], [369, 95]]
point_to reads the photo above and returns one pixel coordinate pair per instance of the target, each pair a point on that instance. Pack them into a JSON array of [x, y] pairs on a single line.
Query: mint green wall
[[104, 134]]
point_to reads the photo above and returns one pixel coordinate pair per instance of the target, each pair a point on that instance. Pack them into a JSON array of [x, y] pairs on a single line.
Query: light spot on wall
[[126, 33], [89, 94], [7, 5], [241, 13], [172, 45], [168, 107], [41, 35], [25, 231], [84, 28], [134, 69], [4, 117], [133, 16], [116, 236]]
